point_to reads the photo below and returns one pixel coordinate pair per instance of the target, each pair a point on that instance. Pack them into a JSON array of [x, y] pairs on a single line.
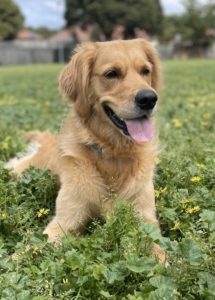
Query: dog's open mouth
[[141, 129], [115, 119]]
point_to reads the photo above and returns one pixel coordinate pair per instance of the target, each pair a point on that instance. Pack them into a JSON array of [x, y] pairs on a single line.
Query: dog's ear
[[74, 80], [153, 58]]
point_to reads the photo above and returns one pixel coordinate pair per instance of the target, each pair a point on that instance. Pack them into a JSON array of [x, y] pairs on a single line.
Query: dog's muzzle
[[139, 129]]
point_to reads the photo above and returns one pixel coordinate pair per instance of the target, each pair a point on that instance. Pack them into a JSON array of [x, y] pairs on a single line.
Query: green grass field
[[114, 260]]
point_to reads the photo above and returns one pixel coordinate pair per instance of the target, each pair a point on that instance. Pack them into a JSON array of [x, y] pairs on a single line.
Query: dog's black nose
[[146, 99]]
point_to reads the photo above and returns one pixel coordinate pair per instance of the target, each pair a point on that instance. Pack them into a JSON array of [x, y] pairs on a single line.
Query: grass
[[113, 260]]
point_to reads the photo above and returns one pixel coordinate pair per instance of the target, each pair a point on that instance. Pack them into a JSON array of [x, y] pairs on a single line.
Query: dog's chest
[[117, 172]]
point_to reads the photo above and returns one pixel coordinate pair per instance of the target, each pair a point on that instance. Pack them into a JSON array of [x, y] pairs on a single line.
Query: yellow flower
[[176, 226], [184, 206], [199, 166], [163, 190], [196, 208], [176, 123], [193, 209], [29, 232], [190, 210], [157, 160], [157, 193], [4, 216], [195, 179], [42, 212], [4, 146], [206, 116], [204, 123], [65, 281], [187, 201], [7, 138], [35, 249]]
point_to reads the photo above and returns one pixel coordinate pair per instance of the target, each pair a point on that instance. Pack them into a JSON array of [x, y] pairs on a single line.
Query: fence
[[27, 52]]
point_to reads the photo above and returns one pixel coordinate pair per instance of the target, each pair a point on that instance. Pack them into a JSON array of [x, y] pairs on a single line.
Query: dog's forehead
[[113, 52]]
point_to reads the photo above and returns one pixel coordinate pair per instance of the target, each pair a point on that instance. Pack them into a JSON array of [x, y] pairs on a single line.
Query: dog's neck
[[100, 140]]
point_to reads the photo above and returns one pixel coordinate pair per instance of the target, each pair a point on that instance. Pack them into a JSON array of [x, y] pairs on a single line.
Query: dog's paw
[[159, 253], [54, 232]]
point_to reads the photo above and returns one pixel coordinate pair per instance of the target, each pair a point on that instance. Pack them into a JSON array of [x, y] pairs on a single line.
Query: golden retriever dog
[[107, 144]]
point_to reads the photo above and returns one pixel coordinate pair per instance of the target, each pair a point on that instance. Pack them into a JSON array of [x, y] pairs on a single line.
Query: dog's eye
[[112, 74], [145, 72]]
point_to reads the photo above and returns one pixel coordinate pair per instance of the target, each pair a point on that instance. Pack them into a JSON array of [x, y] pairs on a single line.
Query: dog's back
[[43, 149]]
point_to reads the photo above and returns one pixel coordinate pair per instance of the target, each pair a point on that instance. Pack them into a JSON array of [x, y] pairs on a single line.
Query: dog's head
[[116, 82]]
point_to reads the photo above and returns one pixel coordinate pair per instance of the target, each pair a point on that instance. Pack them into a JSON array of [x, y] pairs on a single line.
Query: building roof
[[26, 34], [63, 35]]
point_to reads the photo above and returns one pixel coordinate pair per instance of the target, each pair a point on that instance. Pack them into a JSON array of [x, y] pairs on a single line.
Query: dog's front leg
[[77, 203], [145, 206]]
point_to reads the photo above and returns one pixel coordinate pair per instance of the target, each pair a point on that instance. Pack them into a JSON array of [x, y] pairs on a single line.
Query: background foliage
[[113, 260], [44, 31], [196, 26], [11, 19], [193, 25], [108, 14]]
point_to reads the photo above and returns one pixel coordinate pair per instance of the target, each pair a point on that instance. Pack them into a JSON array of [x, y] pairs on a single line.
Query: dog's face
[[117, 83]]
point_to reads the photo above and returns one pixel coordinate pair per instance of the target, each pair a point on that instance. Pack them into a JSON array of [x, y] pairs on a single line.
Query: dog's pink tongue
[[141, 130]]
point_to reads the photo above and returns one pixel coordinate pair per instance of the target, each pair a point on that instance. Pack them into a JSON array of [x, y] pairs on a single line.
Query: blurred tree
[[193, 25], [131, 14], [44, 31], [11, 19]]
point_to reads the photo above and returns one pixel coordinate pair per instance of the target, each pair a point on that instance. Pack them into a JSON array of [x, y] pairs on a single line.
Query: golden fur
[[95, 161]]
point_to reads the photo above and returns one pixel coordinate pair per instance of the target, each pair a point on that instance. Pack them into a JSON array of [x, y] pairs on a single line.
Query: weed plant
[[114, 259]]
